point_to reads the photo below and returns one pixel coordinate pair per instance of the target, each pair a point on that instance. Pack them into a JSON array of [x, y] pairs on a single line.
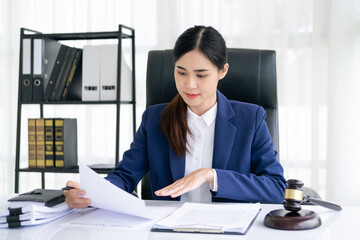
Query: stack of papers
[[32, 214]]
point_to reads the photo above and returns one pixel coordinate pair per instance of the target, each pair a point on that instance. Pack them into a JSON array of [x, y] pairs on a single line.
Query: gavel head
[[293, 195]]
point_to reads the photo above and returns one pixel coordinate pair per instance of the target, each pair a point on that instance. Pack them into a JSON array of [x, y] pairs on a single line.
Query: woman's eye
[[182, 73], [201, 76]]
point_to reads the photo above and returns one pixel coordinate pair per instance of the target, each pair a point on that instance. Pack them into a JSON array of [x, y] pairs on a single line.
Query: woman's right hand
[[74, 198]]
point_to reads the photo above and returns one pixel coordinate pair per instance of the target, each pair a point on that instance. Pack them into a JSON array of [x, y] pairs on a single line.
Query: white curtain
[[318, 50]]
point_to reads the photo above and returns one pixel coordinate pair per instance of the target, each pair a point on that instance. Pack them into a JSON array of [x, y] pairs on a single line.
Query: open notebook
[[222, 218]]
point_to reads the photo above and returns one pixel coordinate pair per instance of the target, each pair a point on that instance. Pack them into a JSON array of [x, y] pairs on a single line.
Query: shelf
[[76, 102], [123, 32], [103, 168], [83, 35]]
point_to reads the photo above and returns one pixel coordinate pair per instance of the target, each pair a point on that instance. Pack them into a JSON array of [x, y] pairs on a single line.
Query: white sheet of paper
[[226, 216], [109, 219], [105, 195]]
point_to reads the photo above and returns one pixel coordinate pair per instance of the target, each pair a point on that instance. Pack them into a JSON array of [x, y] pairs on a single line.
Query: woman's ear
[[223, 71]]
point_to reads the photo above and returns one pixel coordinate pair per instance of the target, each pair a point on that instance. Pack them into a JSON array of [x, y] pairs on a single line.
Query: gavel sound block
[[293, 218]]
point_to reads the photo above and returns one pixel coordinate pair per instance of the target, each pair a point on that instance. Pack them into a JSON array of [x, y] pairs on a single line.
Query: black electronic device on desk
[[46, 197], [293, 217]]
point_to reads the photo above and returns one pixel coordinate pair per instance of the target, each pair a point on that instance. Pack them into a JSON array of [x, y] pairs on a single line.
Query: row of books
[[52, 71], [52, 142], [48, 69]]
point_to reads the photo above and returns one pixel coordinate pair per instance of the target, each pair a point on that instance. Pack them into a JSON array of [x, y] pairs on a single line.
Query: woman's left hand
[[187, 183]]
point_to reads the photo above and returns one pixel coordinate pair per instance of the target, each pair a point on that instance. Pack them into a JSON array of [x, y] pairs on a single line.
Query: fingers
[[187, 183], [73, 184], [74, 197], [174, 190]]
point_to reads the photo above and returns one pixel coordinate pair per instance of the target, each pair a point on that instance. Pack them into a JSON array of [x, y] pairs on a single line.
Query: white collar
[[208, 117]]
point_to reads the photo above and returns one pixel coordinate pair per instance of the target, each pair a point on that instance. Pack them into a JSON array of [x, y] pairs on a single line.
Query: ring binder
[[25, 75]]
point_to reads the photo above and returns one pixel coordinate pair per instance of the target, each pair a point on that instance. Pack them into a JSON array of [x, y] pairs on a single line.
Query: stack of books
[[52, 142], [32, 208]]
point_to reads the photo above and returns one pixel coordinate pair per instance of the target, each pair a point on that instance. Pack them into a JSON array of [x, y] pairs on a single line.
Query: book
[[32, 142], [221, 218], [65, 142], [40, 142], [43, 197], [49, 143]]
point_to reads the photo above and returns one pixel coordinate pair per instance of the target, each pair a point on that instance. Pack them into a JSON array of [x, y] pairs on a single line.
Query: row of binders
[[51, 71], [33, 208], [48, 69], [52, 142]]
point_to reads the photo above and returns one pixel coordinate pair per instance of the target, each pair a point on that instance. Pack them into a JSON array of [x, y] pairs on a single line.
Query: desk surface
[[335, 225]]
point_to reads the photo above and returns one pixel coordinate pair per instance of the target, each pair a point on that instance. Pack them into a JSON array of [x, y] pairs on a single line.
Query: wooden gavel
[[294, 197]]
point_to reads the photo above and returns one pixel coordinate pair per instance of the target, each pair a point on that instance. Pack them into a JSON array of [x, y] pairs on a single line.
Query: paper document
[[105, 195], [210, 218], [100, 218], [30, 218], [38, 209]]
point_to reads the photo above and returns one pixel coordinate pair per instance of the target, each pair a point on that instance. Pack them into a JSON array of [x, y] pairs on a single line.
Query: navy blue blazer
[[244, 157]]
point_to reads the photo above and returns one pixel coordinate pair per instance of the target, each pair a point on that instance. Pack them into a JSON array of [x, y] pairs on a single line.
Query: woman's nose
[[190, 82]]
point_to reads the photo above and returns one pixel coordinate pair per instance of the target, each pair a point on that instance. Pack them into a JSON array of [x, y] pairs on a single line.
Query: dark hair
[[174, 117]]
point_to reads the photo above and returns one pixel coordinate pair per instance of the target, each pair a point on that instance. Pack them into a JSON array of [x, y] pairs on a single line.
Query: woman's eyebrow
[[201, 70], [197, 70], [180, 67]]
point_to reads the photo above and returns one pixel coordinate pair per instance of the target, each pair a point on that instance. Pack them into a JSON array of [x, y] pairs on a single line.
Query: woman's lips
[[191, 95]]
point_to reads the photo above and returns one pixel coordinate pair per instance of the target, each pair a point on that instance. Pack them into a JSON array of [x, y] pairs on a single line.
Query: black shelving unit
[[120, 35]]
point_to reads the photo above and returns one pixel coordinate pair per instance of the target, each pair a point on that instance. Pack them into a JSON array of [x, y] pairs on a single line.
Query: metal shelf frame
[[123, 33]]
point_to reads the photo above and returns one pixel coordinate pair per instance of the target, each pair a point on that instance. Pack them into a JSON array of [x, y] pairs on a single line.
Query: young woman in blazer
[[200, 147]]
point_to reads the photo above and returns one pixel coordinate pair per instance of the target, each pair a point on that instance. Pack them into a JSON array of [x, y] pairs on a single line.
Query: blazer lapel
[[224, 139], [225, 133], [177, 165]]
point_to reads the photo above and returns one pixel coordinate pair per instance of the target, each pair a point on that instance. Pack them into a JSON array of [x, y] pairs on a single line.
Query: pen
[[67, 188]]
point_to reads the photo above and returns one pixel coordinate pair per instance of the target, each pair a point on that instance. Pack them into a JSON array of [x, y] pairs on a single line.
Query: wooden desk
[[335, 225]]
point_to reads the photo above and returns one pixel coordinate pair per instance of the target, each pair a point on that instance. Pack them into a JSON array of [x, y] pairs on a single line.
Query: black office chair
[[251, 78]]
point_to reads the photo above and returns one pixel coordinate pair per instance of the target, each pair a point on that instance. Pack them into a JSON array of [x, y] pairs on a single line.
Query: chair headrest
[[251, 77]]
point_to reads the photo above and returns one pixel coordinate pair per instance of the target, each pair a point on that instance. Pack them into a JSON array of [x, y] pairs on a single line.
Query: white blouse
[[200, 145]]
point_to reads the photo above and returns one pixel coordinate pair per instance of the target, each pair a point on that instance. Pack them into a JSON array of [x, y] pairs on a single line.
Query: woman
[[200, 147]]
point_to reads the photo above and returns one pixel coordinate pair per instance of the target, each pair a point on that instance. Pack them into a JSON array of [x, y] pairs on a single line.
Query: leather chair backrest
[[251, 78]]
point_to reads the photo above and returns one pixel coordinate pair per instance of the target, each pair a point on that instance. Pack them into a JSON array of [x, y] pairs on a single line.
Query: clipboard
[[250, 211]]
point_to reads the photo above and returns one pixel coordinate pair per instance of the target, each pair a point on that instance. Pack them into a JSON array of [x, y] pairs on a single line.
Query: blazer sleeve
[[134, 164], [265, 182]]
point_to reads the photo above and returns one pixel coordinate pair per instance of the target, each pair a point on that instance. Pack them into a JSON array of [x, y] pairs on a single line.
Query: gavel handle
[[322, 203]]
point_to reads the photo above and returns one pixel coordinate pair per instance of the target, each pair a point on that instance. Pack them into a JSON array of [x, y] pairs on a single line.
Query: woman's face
[[196, 79]]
